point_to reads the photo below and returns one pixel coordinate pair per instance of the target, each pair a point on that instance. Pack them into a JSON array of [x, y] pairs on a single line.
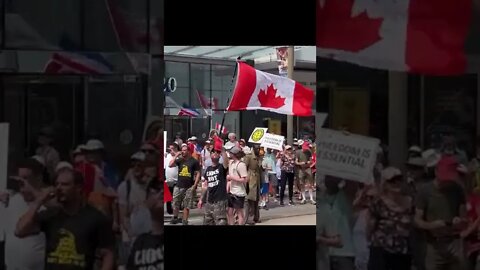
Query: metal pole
[[290, 75], [230, 96]]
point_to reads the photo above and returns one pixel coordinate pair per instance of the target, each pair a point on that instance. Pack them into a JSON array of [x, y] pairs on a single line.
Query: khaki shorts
[[215, 213], [184, 196], [306, 177]]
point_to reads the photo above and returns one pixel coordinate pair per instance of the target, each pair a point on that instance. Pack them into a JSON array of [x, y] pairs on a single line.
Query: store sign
[[169, 85]]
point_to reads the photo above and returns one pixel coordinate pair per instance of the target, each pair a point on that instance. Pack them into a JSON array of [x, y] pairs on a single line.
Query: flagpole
[[290, 75], [229, 96]]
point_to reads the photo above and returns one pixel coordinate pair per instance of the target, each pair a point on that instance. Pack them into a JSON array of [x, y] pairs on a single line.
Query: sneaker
[[281, 204], [277, 195], [303, 201], [184, 222], [291, 202], [313, 202], [174, 221]]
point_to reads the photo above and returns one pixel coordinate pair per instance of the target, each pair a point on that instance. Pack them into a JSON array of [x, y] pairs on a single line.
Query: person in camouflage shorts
[[215, 193], [215, 213], [185, 197]]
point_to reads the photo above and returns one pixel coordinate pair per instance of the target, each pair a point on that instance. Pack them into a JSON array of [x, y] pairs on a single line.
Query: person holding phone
[[30, 181], [186, 189], [441, 212], [76, 233]]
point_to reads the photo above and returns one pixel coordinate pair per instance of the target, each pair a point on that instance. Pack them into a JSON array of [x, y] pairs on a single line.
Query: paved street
[[297, 214], [297, 220]]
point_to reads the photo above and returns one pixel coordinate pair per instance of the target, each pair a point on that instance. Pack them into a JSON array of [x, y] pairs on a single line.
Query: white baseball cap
[[63, 165], [390, 172], [431, 157], [300, 142], [79, 149], [415, 149], [140, 156], [40, 159], [229, 145], [416, 161], [93, 145], [193, 138]]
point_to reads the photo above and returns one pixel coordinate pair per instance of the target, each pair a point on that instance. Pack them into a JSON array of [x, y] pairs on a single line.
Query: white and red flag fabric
[[224, 129], [258, 90], [207, 103], [418, 36]]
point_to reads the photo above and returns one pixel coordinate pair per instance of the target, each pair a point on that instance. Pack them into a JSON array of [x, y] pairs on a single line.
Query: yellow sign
[[257, 135], [275, 127], [350, 110]]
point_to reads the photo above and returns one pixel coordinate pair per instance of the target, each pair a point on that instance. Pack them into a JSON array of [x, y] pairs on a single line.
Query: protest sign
[[165, 147], [273, 141], [258, 135], [347, 156]]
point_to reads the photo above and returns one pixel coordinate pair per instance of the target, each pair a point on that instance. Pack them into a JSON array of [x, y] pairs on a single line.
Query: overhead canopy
[[257, 53]]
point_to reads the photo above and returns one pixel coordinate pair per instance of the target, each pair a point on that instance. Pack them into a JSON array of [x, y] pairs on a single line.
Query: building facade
[[87, 69], [196, 79], [398, 108]]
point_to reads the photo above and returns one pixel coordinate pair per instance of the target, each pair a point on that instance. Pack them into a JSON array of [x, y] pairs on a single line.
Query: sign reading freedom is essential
[[273, 141], [347, 156], [258, 135]]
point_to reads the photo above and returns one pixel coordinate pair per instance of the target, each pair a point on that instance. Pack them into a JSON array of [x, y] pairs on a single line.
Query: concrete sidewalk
[[275, 212]]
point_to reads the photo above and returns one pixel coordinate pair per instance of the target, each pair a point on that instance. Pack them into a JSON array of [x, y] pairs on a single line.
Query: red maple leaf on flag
[[337, 29], [268, 98]]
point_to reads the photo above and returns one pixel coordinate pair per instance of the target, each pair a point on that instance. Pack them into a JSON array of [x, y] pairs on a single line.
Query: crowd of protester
[[80, 213], [425, 215], [232, 181]]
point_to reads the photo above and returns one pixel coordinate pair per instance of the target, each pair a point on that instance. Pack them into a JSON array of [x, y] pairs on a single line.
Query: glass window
[[115, 116], [200, 85], [181, 73], [47, 24], [200, 128], [232, 121], [450, 107], [222, 77], [180, 96], [115, 25], [222, 84], [157, 85]]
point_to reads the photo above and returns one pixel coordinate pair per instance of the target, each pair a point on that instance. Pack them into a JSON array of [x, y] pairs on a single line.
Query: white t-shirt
[[171, 174], [31, 248], [237, 168], [137, 198]]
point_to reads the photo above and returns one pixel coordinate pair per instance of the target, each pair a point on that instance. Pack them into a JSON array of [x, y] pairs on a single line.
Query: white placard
[[347, 156], [165, 148], [258, 135], [273, 141], [4, 129]]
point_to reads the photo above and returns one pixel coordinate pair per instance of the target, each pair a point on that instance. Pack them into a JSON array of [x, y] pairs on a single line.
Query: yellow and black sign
[[257, 135]]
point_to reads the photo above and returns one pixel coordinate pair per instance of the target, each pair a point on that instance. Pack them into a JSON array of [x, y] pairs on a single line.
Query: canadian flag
[[257, 90], [224, 129], [420, 36]]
